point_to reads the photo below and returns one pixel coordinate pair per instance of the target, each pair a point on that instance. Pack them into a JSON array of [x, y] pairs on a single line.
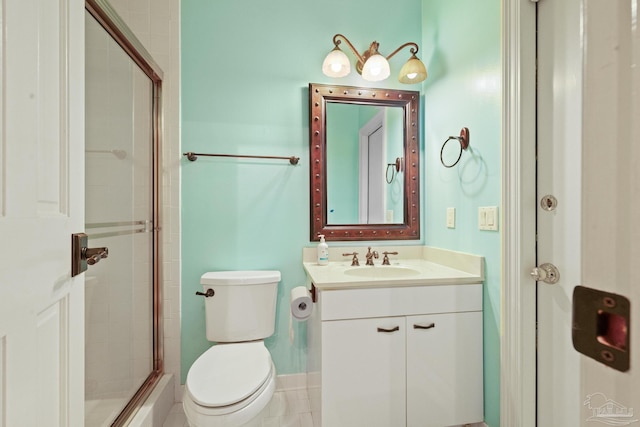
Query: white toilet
[[232, 383]]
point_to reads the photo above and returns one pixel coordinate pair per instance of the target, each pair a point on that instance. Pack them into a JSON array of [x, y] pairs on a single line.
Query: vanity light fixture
[[371, 64]]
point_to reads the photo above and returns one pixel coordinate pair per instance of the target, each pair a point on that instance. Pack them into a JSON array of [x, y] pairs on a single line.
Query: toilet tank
[[243, 307]]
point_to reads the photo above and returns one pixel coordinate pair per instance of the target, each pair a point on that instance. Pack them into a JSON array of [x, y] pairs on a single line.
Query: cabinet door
[[444, 369], [364, 372]]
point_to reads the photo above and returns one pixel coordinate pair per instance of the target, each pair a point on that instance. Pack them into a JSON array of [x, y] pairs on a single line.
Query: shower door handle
[[82, 256], [94, 255]]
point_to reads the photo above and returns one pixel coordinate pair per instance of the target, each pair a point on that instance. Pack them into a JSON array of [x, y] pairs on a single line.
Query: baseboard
[[291, 382]]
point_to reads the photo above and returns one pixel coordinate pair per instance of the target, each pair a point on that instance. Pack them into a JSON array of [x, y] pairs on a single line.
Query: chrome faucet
[[370, 256]]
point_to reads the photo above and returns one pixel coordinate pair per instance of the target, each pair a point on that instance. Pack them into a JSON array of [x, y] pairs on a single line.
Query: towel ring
[[464, 144], [395, 167]]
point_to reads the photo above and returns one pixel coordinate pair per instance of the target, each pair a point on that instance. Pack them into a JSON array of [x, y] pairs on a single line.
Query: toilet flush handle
[[210, 292]]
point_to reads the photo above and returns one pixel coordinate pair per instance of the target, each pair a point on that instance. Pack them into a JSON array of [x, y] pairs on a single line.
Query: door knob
[[547, 273]]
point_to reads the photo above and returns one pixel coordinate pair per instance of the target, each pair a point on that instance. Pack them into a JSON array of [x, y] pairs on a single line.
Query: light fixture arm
[[362, 58], [337, 42], [413, 50]]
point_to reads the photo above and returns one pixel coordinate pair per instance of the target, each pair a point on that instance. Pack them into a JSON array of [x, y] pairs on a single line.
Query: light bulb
[[336, 64], [376, 68], [413, 71]]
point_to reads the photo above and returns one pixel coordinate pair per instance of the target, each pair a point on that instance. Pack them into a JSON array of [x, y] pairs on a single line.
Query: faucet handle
[[385, 260], [354, 261]]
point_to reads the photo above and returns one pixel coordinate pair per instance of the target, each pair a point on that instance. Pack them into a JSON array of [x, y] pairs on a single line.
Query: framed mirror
[[365, 163]]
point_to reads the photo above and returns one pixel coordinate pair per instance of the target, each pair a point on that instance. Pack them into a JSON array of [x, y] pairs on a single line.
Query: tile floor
[[290, 408]]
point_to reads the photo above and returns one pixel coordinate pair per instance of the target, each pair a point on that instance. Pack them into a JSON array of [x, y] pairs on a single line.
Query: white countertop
[[426, 266]]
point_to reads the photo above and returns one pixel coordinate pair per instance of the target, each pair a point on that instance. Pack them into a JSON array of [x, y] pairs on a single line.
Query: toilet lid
[[228, 373]]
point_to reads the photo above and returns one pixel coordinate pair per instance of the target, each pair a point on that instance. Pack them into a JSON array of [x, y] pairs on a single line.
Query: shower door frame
[[107, 17]]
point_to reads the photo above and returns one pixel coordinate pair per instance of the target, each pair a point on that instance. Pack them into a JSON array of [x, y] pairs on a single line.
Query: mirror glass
[[365, 163], [364, 185]]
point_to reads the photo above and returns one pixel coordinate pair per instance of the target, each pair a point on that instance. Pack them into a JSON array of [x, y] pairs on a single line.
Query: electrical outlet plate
[[488, 218]]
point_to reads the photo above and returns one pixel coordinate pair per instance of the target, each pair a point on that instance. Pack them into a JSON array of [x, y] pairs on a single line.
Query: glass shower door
[[119, 215]]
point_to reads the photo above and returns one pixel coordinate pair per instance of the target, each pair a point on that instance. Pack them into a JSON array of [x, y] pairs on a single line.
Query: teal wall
[[461, 48], [343, 134], [246, 66]]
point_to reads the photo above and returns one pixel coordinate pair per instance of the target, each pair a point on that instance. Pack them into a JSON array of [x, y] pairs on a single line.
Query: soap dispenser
[[323, 251]]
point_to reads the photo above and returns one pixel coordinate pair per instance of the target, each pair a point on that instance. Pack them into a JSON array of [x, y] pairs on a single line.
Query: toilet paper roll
[[301, 303], [301, 308]]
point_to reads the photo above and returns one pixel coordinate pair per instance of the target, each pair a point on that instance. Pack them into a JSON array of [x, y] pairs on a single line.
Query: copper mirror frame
[[409, 101]]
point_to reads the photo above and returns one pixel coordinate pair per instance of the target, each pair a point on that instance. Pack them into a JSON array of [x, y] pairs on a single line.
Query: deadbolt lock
[[549, 203]]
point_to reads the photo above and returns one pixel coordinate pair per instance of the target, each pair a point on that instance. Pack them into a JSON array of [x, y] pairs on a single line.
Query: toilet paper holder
[[312, 291]]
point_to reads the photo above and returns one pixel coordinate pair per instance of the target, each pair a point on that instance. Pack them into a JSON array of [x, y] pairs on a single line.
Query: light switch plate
[[488, 218], [482, 218], [451, 217]]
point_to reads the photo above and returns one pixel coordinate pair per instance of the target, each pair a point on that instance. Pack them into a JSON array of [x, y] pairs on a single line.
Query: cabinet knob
[[397, 328]]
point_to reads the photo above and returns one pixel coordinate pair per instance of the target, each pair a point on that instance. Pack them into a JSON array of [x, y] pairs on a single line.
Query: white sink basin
[[382, 271]]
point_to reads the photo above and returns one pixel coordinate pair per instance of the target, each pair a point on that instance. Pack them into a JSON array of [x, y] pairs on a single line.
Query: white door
[[372, 164], [375, 180], [41, 205], [589, 159]]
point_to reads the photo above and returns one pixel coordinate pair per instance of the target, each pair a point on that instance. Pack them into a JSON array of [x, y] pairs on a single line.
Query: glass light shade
[[336, 64], [376, 68], [413, 71]]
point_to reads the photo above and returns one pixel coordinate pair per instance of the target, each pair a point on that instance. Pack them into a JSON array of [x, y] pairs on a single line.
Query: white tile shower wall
[[142, 295], [156, 23], [111, 88], [108, 335], [108, 349]]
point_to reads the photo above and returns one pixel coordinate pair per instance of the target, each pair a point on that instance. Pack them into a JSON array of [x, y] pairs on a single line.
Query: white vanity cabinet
[[399, 356], [363, 376], [444, 369]]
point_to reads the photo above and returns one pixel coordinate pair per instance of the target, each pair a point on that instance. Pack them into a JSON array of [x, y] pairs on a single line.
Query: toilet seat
[[228, 374], [232, 415]]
